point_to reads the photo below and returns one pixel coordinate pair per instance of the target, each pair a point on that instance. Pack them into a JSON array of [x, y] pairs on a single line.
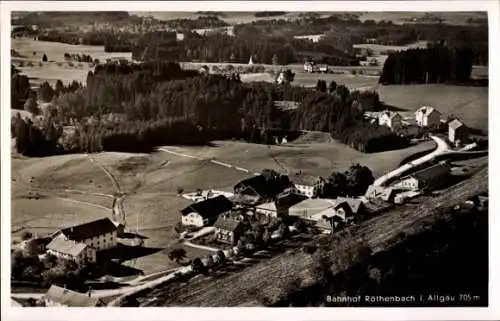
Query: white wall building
[[427, 116], [71, 250], [57, 296], [100, 234], [390, 119]]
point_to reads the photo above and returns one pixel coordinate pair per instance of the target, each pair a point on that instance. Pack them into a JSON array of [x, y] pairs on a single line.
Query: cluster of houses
[[425, 117], [273, 199], [413, 184], [80, 243], [311, 67]]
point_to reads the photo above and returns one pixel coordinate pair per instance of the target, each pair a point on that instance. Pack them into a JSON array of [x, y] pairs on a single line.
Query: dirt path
[[117, 209], [241, 169]]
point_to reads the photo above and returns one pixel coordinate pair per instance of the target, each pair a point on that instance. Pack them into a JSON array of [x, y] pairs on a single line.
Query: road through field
[[163, 149], [119, 197], [442, 147]]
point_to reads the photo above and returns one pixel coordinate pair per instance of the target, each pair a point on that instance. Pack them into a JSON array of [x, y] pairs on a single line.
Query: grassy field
[[470, 104], [56, 68], [310, 80], [231, 18], [152, 181], [454, 18]]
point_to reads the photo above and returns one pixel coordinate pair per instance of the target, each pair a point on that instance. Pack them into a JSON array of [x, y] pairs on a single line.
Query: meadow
[[151, 183], [56, 68]]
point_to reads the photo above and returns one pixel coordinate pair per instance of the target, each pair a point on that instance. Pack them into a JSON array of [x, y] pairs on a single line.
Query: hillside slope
[[263, 279]]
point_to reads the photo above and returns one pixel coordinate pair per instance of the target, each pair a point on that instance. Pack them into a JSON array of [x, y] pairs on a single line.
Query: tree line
[[432, 65], [158, 103]]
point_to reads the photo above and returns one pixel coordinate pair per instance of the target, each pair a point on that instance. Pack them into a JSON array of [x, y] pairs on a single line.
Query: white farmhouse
[[70, 250], [99, 235], [308, 186], [390, 119], [205, 212], [427, 116], [430, 177], [57, 296]]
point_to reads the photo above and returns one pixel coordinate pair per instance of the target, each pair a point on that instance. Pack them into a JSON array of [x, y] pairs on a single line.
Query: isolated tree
[[177, 254], [22, 135], [275, 60], [31, 103], [49, 260], [332, 87], [44, 58], [209, 261], [335, 186], [197, 266], [358, 179], [59, 87], [289, 76], [26, 235], [221, 257], [46, 92], [266, 237], [321, 85], [342, 91]]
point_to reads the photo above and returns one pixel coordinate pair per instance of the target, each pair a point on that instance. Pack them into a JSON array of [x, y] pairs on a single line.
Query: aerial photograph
[[249, 159]]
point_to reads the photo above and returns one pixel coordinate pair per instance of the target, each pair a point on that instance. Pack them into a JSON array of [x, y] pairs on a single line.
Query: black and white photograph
[[252, 158]]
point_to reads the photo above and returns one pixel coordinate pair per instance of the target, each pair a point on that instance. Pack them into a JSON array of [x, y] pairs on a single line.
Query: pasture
[[353, 82], [56, 68], [398, 17]]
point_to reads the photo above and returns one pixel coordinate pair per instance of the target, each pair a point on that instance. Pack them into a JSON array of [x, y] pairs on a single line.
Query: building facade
[[229, 229], [427, 116], [78, 252], [205, 212], [99, 235], [57, 296], [390, 119], [457, 131]]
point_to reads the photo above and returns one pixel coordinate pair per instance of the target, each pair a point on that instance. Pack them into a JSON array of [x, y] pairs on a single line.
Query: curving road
[[442, 148]]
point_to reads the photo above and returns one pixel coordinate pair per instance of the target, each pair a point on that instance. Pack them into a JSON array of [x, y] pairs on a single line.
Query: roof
[[304, 179], [389, 114], [271, 206], [227, 223], [71, 298], [14, 303], [354, 203], [431, 174], [455, 123], [290, 200], [61, 245], [245, 199], [210, 208], [262, 186], [329, 212], [89, 230], [311, 206]]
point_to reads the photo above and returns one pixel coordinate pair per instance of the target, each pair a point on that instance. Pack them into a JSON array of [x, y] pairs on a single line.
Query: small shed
[[457, 131]]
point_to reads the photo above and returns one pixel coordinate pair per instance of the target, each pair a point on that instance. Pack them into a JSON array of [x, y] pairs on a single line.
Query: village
[[265, 209]]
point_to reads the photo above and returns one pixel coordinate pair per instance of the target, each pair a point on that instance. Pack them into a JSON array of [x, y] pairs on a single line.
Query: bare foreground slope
[[380, 234]]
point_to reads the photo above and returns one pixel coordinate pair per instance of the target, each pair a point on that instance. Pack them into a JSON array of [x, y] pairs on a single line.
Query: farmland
[[56, 68], [151, 182]]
